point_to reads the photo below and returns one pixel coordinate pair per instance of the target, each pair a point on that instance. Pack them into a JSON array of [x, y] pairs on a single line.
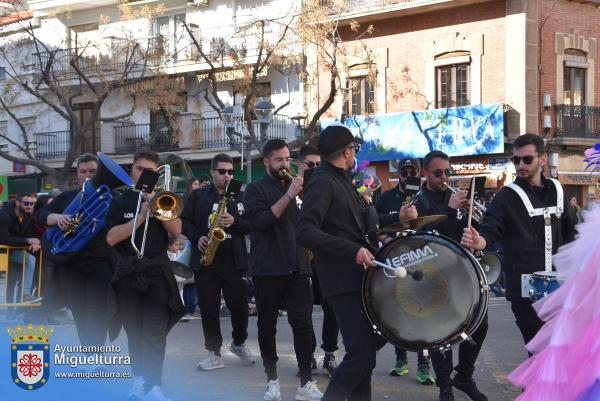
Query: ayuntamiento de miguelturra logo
[[30, 355]]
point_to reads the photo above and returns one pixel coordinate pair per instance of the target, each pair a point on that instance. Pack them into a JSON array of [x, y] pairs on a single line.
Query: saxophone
[[216, 234]]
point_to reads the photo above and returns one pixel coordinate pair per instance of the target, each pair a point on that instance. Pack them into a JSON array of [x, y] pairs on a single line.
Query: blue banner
[[456, 131]]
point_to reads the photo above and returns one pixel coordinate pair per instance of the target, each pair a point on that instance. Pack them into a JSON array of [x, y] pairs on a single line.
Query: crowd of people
[[291, 241]]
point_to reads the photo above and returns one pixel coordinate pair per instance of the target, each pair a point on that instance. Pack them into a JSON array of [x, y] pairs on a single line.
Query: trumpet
[[478, 209], [289, 173]]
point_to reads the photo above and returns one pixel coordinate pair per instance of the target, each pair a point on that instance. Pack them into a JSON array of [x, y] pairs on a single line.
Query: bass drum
[[440, 303]]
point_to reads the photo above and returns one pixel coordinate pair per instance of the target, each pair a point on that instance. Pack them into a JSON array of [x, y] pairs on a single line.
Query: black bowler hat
[[333, 138]]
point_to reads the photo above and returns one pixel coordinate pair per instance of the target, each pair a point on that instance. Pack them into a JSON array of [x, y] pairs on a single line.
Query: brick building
[[440, 54]]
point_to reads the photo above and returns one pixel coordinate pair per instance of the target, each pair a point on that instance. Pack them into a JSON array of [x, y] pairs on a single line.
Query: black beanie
[[333, 138]]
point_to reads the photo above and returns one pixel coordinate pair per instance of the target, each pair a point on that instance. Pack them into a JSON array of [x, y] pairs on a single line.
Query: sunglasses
[[355, 146], [312, 164], [26, 203], [526, 159], [437, 173], [223, 171], [407, 172]]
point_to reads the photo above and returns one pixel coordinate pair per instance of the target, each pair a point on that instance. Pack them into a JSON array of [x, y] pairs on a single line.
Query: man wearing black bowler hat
[[332, 223]]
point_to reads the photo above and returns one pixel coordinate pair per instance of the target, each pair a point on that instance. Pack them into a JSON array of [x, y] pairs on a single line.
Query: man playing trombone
[[147, 296], [226, 272]]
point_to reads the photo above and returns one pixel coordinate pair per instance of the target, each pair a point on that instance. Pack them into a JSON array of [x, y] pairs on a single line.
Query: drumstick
[[472, 196]]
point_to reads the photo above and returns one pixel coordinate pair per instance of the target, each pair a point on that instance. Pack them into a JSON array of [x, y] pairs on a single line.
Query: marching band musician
[[84, 276], [226, 273], [507, 220], [308, 158], [280, 268], [147, 297], [390, 207], [333, 224], [436, 199]]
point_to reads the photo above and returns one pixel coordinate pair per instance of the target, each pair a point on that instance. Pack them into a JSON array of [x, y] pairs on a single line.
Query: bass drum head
[[437, 310]]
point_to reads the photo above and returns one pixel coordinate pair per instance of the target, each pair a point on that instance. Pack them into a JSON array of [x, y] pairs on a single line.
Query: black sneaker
[[446, 394], [313, 366], [329, 364], [470, 389]]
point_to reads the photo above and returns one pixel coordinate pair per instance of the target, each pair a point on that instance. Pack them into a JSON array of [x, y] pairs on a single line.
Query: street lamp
[[299, 122], [264, 110], [232, 116]]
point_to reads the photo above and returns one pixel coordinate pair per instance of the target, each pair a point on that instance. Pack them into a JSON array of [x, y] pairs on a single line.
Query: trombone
[[165, 205]]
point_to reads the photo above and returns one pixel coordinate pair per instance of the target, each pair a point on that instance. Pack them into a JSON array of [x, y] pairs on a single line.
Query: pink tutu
[[567, 348]]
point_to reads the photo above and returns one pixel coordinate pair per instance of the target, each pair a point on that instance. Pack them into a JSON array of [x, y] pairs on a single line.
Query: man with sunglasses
[[333, 223], [227, 271], [280, 268], [16, 230], [436, 199], [309, 158], [528, 239], [391, 209]]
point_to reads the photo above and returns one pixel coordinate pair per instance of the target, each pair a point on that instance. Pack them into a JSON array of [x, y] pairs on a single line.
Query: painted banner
[[456, 131]]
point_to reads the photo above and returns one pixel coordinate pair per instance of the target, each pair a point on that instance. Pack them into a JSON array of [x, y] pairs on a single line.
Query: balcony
[[577, 125], [109, 55], [131, 138], [210, 133], [52, 145]]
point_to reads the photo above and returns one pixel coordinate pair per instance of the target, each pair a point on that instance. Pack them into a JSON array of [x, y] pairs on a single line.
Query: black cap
[[333, 138], [408, 162]]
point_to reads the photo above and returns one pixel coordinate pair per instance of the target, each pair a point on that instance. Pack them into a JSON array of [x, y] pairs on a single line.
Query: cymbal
[[413, 224]]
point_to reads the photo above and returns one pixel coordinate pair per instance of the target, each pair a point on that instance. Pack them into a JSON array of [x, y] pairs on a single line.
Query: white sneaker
[[273, 392], [309, 392], [212, 361], [155, 394], [243, 352], [137, 388]]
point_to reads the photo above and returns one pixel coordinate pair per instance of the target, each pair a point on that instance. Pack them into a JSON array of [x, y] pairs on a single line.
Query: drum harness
[[547, 212]]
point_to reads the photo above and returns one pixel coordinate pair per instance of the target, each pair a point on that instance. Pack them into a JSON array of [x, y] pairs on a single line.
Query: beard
[[276, 173], [23, 211], [402, 184], [528, 174]]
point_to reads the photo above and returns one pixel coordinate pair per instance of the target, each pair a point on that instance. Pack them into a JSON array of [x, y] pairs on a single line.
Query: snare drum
[[543, 283], [439, 307]]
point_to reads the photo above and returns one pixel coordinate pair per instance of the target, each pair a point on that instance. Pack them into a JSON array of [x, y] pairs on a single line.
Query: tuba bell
[[88, 209]]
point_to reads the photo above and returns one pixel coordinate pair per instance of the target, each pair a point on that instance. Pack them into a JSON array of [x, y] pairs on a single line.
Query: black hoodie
[[12, 231]]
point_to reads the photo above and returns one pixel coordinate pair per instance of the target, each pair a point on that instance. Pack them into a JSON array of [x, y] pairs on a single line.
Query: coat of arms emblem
[[30, 355]]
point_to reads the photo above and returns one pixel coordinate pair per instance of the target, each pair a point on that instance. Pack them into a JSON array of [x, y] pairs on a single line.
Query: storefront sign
[[498, 163], [18, 167], [577, 178], [469, 168]]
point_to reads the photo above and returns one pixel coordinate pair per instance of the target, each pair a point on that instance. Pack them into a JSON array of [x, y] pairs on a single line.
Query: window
[[263, 92], [170, 32], [80, 36], [361, 96], [2, 73], [453, 85], [574, 86]]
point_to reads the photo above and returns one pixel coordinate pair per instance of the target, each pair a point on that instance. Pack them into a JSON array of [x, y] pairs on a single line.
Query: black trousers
[[221, 275], [329, 335], [352, 378], [145, 317], [293, 292], [467, 355], [85, 287], [401, 355], [527, 320]]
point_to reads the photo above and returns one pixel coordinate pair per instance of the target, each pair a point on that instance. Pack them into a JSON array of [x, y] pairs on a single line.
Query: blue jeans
[[15, 275]]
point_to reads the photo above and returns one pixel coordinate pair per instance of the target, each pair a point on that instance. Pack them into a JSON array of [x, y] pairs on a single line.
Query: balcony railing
[[52, 145], [159, 138], [211, 132], [582, 122]]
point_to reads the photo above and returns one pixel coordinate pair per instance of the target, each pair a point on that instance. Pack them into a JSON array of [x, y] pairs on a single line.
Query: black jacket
[[198, 207], [96, 248], [430, 202], [12, 231], [332, 224], [522, 237], [388, 205], [274, 250]]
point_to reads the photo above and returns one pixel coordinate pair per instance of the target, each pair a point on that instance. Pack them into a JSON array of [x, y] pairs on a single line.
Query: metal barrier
[[4, 274]]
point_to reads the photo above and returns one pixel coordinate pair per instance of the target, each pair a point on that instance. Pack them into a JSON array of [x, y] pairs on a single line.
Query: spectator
[[16, 230], [575, 210], [204, 181]]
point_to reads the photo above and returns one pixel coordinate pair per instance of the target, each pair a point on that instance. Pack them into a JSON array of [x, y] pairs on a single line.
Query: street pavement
[[502, 351]]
